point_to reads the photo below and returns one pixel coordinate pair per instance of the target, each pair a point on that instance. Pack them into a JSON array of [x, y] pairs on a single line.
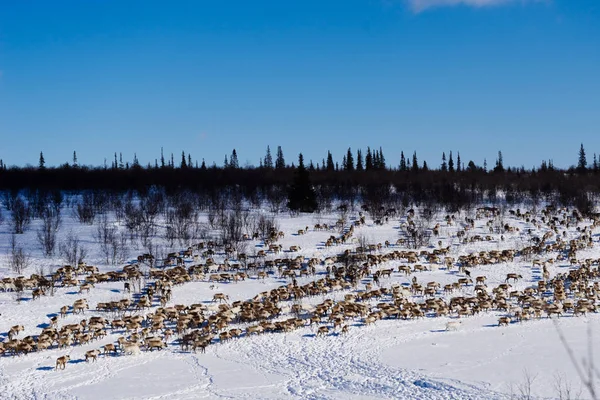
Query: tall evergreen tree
[[359, 160], [458, 166], [368, 160], [485, 165], [349, 160], [189, 162], [279, 161], [381, 159], [499, 163], [172, 165], [226, 162], [233, 161], [183, 161], [302, 196], [136, 163], [121, 165], [582, 163], [595, 165], [450, 163], [74, 158], [425, 167], [415, 163], [403, 166], [203, 166], [444, 166], [268, 163], [42, 164], [330, 164], [115, 164], [162, 158]]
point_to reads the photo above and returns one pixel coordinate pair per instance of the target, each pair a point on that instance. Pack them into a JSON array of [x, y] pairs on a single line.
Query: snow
[[412, 359]]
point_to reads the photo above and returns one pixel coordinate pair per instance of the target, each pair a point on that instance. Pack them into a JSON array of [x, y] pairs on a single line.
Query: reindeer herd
[[349, 287]]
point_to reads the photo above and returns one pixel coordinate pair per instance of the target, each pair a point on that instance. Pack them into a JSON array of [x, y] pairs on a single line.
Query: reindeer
[[61, 362]]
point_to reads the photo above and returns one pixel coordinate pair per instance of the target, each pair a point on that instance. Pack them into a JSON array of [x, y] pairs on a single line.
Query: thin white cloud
[[421, 5]]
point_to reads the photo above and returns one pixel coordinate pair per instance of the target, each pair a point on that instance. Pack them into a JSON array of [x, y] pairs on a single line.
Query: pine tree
[[368, 160], [302, 196], [444, 165], [376, 162], [595, 165], [381, 159], [183, 164], [279, 161], [233, 161], [359, 160], [121, 165], [415, 163], [450, 163], [74, 158], [458, 166], [330, 164], [582, 164], [189, 163], [162, 158], [344, 163], [42, 164], [115, 165], [485, 165], [136, 163], [425, 167], [203, 166], [268, 163], [402, 162], [225, 163], [172, 165], [499, 163], [349, 161], [155, 163]]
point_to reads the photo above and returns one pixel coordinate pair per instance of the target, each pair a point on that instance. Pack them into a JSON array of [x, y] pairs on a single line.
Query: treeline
[[360, 179]]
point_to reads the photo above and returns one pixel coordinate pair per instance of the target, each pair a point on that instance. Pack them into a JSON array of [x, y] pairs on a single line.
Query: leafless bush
[[417, 234], [85, 210], [71, 250], [21, 215], [266, 224], [276, 198], [46, 235], [563, 388], [18, 259]]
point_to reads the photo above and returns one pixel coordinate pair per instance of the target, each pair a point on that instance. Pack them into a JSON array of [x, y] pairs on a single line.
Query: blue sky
[[475, 76]]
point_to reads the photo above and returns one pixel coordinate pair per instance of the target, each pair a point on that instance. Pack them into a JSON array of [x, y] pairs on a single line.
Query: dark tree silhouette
[[302, 196]]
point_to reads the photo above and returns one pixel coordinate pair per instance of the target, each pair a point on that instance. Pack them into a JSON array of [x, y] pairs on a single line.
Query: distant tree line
[[360, 178]]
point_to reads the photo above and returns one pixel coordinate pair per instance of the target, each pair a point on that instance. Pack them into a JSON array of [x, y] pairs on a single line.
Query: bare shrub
[[46, 235], [21, 215], [18, 259], [85, 210], [71, 250]]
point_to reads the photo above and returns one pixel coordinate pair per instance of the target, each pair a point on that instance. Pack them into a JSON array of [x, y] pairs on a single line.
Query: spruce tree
[[162, 158], [183, 162], [74, 158], [499, 163], [415, 163], [425, 167], [233, 161], [42, 164], [349, 160], [582, 164], [458, 166], [402, 162], [302, 196], [189, 161], [444, 165], [381, 159], [359, 160], [330, 164], [450, 163], [268, 163], [368, 160], [279, 161]]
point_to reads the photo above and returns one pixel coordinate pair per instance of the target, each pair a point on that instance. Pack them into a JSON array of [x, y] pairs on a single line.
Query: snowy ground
[[412, 359]]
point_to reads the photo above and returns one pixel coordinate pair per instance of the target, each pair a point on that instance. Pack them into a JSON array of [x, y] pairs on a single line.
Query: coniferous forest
[[362, 177]]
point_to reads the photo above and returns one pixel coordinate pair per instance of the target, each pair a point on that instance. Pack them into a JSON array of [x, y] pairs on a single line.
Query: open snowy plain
[[399, 358]]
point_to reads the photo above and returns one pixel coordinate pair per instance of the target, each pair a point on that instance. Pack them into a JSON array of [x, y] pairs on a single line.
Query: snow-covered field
[[392, 358]]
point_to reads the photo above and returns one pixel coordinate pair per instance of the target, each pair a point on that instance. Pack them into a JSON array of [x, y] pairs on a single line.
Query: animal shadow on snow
[[72, 293], [43, 326], [78, 361], [44, 368], [310, 335], [438, 330], [115, 290]]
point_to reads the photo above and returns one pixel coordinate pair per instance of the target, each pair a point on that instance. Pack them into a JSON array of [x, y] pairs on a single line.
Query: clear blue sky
[[475, 76]]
